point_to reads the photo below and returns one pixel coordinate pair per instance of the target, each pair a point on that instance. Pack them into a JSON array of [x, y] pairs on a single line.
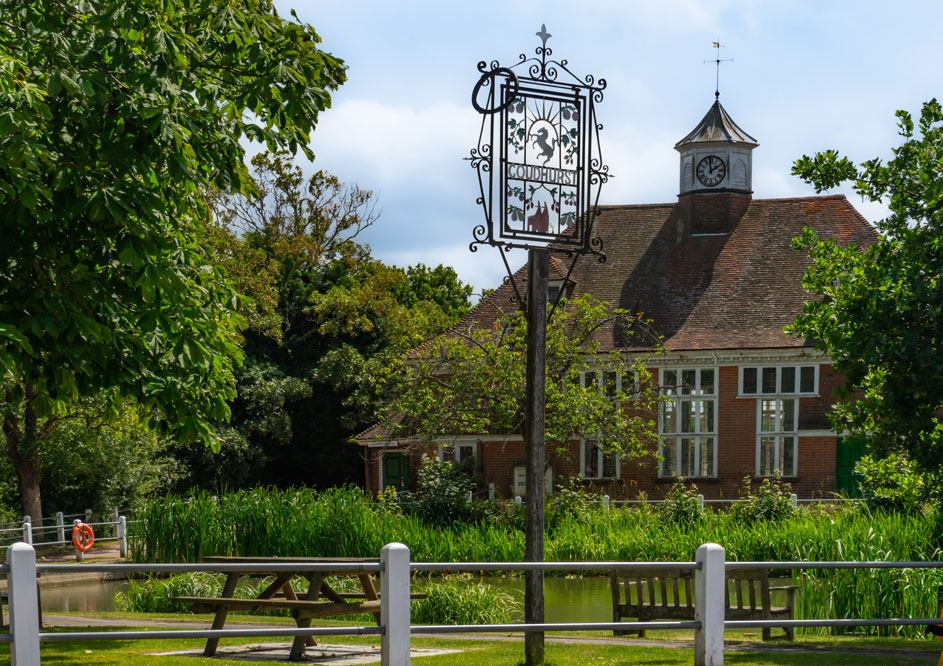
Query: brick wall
[[736, 454]]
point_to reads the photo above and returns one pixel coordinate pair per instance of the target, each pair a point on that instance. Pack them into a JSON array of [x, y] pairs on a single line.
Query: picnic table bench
[[665, 594], [280, 595]]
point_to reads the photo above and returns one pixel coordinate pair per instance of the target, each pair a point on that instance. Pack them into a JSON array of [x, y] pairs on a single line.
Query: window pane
[[591, 462], [609, 465], [788, 421], [707, 457], [670, 416], [609, 384], [707, 416], [465, 452], [787, 456], [767, 456], [807, 379], [768, 415], [687, 458], [589, 379], [749, 380], [668, 453], [671, 382], [687, 416], [769, 380], [788, 380], [688, 382], [707, 382]]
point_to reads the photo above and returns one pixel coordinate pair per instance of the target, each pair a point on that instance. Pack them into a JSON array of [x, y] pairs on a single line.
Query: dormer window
[[557, 289]]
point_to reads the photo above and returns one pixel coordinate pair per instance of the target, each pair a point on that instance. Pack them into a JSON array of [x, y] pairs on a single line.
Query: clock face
[[711, 170]]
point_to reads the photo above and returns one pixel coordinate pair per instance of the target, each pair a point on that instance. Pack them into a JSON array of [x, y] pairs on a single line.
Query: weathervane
[[539, 166], [717, 60]]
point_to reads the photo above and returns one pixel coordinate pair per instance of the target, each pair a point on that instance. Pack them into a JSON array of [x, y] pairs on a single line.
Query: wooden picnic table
[[280, 594]]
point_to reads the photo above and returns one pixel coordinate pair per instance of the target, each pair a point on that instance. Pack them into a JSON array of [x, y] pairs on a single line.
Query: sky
[[806, 76]]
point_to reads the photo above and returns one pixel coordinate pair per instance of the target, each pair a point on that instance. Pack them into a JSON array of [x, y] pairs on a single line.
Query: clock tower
[[717, 156]]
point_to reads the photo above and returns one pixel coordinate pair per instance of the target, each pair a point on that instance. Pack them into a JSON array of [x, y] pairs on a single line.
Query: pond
[[576, 599]]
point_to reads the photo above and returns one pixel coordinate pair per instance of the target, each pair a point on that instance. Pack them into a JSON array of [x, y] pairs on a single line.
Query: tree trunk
[[23, 450]]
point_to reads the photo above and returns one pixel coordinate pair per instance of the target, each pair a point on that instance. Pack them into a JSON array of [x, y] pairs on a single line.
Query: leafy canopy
[[116, 115], [473, 381], [879, 314]]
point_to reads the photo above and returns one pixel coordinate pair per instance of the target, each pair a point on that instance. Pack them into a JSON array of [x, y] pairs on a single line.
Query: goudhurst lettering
[[541, 174]]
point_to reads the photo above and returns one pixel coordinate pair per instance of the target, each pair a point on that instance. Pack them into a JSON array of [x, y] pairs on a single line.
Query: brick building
[[718, 276]]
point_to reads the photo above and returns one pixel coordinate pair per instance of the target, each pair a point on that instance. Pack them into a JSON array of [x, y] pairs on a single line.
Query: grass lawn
[[483, 652]]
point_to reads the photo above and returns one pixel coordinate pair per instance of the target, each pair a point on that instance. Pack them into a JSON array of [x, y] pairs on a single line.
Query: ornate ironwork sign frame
[[538, 157]]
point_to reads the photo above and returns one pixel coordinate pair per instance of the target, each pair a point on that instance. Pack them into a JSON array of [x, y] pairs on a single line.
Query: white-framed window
[[458, 451], [611, 381], [777, 438], [779, 380], [596, 463], [688, 422], [557, 289]]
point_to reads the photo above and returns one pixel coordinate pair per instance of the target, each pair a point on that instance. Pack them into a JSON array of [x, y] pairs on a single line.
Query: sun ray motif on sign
[[538, 154]]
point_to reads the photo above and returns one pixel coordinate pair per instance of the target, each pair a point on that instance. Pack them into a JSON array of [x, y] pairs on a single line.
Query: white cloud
[[390, 147]]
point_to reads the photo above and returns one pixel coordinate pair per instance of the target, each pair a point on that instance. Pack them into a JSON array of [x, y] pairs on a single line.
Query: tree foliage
[[474, 381], [323, 309], [116, 115], [879, 311]]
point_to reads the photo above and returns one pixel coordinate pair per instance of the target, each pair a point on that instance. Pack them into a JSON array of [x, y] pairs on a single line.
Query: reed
[[343, 522]]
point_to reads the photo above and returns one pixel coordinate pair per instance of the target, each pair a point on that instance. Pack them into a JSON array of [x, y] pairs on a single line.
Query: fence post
[[710, 588], [794, 500], [24, 605], [605, 502], [700, 501], [60, 527], [27, 530], [469, 497], [122, 536], [79, 555], [517, 500], [490, 491], [394, 605], [88, 515]]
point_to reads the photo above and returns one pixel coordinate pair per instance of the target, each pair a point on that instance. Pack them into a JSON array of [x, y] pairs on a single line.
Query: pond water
[[577, 599]]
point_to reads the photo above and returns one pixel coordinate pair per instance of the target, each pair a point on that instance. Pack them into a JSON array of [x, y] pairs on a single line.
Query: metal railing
[[62, 532], [395, 630]]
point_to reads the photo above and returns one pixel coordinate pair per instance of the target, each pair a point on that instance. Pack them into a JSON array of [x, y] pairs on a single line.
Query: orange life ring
[[83, 538]]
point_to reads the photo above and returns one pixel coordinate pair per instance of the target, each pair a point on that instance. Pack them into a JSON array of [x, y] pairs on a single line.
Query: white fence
[[395, 629], [59, 532]]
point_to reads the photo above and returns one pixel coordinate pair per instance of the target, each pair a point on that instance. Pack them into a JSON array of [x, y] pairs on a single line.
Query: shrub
[[681, 505], [452, 602], [571, 501], [891, 483], [441, 492], [770, 501]]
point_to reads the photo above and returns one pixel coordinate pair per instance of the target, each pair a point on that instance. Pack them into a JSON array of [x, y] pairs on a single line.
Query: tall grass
[[343, 522]]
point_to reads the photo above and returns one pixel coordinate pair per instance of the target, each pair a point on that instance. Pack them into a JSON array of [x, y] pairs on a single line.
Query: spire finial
[[543, 34], [718, 60]]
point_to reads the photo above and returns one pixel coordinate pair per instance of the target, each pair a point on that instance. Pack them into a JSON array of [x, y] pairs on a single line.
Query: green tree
[[117, 114], [879, 310], [473, 381], [336, 308]]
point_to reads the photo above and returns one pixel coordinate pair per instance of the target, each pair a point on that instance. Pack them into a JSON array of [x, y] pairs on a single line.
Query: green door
[[847, 452], [395, 471]]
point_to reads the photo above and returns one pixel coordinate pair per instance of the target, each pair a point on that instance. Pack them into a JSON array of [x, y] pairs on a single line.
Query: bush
[[681, 505], [571, 501], [891, 483], [442, 492], [770, 501], [463, 603]]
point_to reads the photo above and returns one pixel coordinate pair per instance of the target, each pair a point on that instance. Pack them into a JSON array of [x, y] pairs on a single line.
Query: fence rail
[[395, 631]]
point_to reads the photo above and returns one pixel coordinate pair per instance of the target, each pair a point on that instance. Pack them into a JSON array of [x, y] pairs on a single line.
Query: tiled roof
[[717, 125], [712, 272]]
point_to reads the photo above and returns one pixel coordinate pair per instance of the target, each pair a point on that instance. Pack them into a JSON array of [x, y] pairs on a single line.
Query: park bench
[[665, 594]]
